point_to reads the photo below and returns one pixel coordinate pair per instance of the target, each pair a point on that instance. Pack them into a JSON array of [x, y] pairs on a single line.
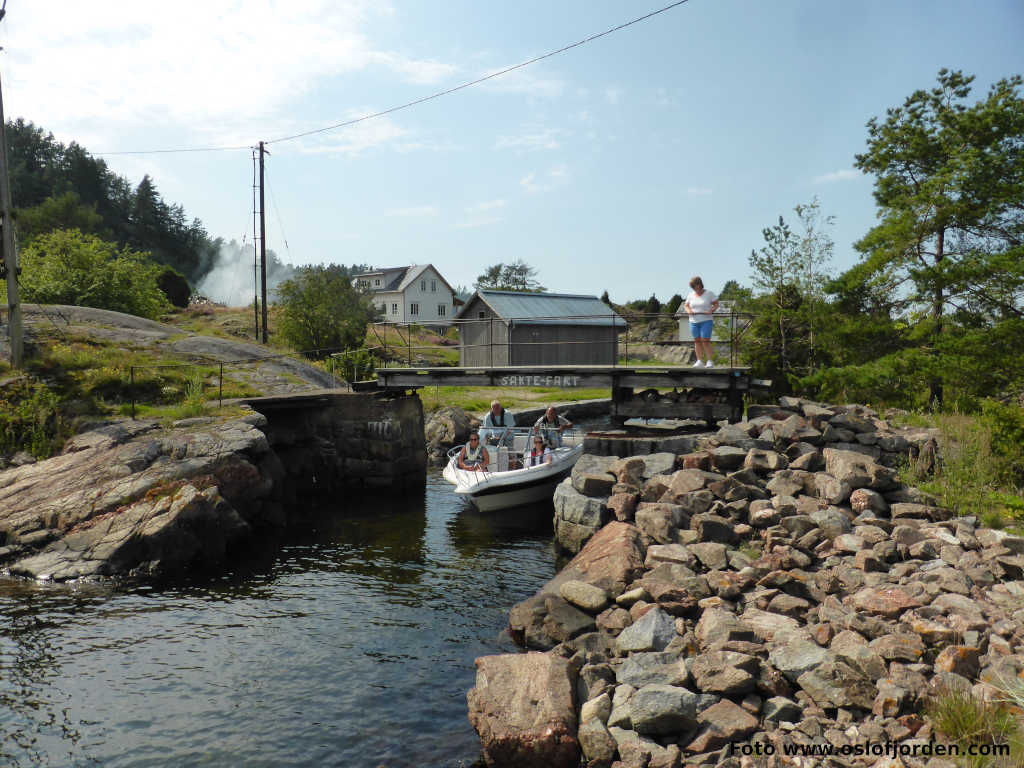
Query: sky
[[628, 164]]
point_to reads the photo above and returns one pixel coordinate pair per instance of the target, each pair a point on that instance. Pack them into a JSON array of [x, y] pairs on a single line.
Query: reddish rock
[[960, 659], [720, 724], [623, 506], [889, 602], [698, 460], [522, 708], [611, 560]]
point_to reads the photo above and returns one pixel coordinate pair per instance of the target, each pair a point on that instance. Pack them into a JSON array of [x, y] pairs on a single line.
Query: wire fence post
[[131, 388], [220, 387]]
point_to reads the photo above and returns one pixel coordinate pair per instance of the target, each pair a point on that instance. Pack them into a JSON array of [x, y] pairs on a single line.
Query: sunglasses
[[474, 439]]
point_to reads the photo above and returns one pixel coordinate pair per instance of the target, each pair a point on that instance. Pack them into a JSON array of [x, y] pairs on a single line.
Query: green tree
[[321, 312], [788, 275], [516, 276], [66, 211], [674, 304], [949, 186], [68, 267]]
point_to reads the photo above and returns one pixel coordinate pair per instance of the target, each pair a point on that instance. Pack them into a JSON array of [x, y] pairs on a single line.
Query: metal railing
[[499, 344]]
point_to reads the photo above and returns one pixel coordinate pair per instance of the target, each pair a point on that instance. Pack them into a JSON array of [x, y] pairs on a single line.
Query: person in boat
[[496, 426], [539, 454], [550, 427], [473, 455]]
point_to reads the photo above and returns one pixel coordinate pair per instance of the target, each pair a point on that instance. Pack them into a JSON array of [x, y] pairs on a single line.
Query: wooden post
[[220, 386], [263, 248], [10, 253], [131, 388]]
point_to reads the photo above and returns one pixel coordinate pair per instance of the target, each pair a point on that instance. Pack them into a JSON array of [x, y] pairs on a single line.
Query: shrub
[[68, 267], [29, 418]]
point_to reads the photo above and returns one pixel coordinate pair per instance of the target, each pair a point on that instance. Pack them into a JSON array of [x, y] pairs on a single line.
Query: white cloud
[[544, 182], [532, 138], [612, 95], [698, 192], [353, 139], [415, 210], [204, 71], [525, 82], [485, 205], [846, 174]]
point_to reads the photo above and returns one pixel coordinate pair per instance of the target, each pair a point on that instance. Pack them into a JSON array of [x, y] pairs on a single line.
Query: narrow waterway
[[348, 645]]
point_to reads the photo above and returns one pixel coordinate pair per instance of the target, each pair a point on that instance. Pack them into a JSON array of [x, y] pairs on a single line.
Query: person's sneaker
[[709, 364], [698, 364]]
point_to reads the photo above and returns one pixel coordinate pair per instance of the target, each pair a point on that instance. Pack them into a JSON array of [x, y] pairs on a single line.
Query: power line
[[479, 79], [277, 215], [413, 103]]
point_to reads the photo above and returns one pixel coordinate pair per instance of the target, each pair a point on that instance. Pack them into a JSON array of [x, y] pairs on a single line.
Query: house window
[[481, 315], [376, 281], [433, 286], [423, 285], [414, 308], [394, 309], [440, 310]]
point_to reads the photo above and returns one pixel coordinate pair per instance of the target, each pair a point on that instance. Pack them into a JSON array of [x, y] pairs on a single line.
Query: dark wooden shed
[[498, 328]]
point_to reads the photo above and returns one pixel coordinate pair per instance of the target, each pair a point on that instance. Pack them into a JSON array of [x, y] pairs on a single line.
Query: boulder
[[725, 672], [794, 656], [577, 517], [660, 521], [652, 632], [663, 709], [583, 595], [522, 709], [720, 725], [445, 428]]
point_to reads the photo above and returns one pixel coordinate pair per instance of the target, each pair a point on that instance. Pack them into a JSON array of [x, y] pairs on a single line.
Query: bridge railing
[[397, 345]]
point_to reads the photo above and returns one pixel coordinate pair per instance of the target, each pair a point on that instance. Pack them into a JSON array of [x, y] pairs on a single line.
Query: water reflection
[[348, 643]]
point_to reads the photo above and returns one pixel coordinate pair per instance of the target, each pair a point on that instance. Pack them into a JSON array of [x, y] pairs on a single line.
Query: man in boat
[[540, 454], [496, 426], [550, 427], [473, 455]]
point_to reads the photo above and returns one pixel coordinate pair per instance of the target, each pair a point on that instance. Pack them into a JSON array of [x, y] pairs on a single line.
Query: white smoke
[[230, 279]]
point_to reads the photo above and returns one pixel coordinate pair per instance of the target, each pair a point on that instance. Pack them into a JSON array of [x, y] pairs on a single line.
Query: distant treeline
[[56, 186]]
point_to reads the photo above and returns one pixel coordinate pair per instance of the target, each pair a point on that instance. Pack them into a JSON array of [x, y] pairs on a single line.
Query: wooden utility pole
[[263, 248], [10, 255], [255, 255]]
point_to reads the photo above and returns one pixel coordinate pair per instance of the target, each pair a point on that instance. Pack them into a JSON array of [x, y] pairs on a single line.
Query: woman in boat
[[540, 454], [473, 455]]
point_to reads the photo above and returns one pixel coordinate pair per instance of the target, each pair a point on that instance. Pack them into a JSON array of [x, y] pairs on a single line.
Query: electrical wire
[[413, 103], [277, 213], [479, 80]]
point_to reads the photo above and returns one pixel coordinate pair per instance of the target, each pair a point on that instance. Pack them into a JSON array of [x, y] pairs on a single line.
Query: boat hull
[[489, 491]]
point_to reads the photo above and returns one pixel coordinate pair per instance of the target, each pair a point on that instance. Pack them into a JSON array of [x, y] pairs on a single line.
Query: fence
[[499, 344]]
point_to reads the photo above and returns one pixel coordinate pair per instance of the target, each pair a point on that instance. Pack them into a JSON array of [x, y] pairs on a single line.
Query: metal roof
[[548, 308]]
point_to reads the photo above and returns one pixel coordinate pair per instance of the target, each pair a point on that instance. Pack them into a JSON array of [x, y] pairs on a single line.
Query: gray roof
[[547, 308]]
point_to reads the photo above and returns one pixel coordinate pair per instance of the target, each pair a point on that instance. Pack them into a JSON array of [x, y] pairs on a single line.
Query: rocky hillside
[[776, 590]]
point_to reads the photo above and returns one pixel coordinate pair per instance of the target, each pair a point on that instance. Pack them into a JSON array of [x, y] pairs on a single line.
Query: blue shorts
[[702, 330]]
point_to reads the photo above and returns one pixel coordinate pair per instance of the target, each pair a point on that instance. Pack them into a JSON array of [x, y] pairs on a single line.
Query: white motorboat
[[499, 487]]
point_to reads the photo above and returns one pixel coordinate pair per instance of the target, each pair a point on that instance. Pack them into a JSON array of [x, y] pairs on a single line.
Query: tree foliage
[[68, 267], [949, 246], [788, 274], [57, 186], [516, 276], [320, 310]]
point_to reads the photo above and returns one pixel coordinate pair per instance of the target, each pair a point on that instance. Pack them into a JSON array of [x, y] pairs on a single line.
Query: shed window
[[433, 286], [481, 315], [414, 308], [394, 309], [423, 285], [440, 310], [376, 281]]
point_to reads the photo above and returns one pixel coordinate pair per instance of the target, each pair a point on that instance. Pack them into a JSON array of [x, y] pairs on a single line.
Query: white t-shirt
[[701, 305]]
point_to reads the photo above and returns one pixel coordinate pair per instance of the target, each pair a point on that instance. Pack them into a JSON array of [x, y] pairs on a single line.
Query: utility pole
[[255, 255], [263, 247], [10, 254]]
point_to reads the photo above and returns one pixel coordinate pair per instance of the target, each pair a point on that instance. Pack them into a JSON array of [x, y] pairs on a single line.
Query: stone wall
[[357, 441]]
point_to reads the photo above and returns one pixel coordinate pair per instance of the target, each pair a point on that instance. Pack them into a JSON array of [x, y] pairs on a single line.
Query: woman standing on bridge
[[701, 305]]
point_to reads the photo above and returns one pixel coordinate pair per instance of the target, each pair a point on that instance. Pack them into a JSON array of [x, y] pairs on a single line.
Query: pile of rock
[[792, 436], [781, 588]]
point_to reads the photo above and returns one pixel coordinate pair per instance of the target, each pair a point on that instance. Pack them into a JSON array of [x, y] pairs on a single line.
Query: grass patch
[[977, 475], [966, 721], [478, 399]]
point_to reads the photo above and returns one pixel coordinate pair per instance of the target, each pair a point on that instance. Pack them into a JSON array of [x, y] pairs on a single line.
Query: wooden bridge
[[709, 394]]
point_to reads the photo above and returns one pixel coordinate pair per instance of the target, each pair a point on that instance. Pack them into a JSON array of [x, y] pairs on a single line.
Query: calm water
[[348, 645]]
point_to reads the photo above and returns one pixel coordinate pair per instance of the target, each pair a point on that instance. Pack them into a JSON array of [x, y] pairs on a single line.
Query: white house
[[416, 294]]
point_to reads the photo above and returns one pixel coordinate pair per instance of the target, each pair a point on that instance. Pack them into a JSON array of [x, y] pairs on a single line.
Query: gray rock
[[658, 464], [711, 554], [660, 521], [832, 521], [596, 742], [641, 669], [794, 656], [663, 709], [714, 528], [725, 672], [836, 684], [586, 596], [652, 632], [781, 710]]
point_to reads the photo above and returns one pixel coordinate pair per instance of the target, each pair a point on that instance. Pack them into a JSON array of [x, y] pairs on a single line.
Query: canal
[[350, 643]]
